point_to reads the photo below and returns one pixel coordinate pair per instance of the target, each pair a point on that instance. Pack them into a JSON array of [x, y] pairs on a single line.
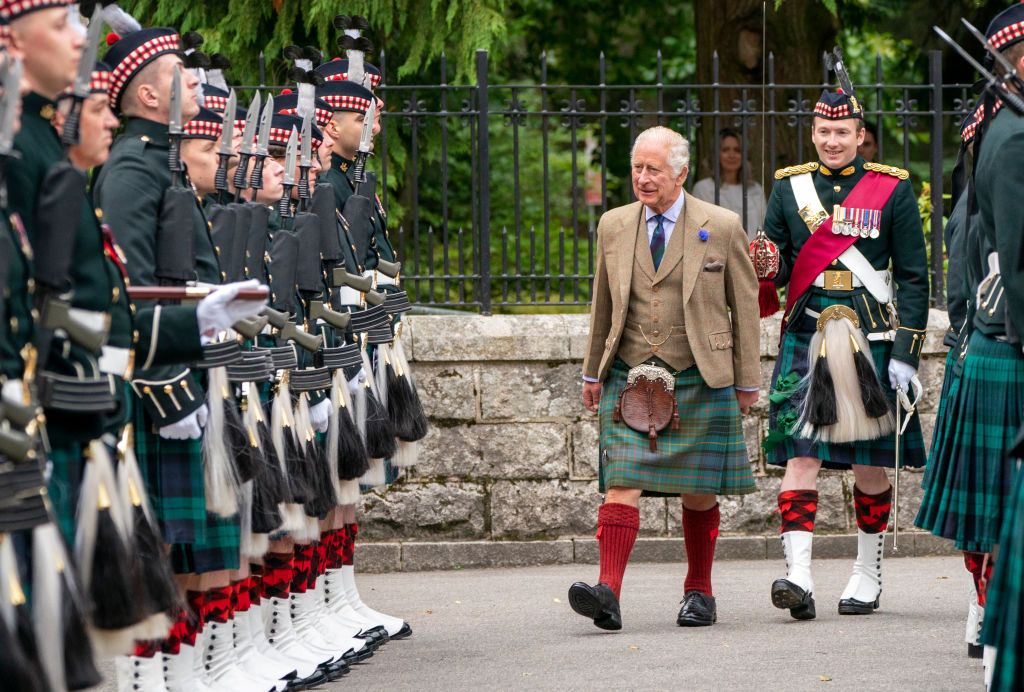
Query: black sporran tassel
[[156, 569], [821, 404], [404, 408], [875, 403], [380, 436], [110, 576], [246, 456], [353, 460], [79, 667], [19, 672], [31, 673]]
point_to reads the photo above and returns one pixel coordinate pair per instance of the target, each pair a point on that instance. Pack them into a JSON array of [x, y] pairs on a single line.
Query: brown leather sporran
[[648, 402]]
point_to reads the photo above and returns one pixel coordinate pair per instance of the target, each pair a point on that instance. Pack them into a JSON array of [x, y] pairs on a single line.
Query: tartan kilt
[[220, 548], [173, 473], [783, 410], [707, 454], [984, 423], [65, 484], [941, 469], [1004, 612]]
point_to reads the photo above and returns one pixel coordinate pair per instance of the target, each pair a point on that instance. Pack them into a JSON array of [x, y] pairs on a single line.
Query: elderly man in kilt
[[675, 308], [839, 222]]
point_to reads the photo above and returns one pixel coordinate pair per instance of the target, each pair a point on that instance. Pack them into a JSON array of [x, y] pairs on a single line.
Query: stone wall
[[512, 454]]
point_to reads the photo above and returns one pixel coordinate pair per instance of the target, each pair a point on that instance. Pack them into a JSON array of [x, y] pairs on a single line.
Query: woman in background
[[733, 171]]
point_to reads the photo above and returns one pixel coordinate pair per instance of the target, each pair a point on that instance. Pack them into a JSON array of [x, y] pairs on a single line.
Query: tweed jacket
[[718, 299]]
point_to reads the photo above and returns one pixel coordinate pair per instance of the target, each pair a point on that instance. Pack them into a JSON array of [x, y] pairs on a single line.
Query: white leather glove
[[13, 391], [356, 382], [219, 310], [900, 374], [187, 428], [202, 413], [320, 414]]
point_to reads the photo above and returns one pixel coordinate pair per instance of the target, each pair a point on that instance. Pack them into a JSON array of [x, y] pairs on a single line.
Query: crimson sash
[[871, 192]]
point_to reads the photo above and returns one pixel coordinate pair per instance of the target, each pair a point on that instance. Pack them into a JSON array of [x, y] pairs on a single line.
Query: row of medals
[[842, 222]]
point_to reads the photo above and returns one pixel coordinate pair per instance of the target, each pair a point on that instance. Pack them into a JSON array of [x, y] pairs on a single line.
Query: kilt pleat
[[987, 416], [793, 362], [220, 548], [707, 454], [173, 473], [942, 461], [1004, 611]]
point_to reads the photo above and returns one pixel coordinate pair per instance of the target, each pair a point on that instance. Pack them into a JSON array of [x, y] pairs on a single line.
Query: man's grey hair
[[678, 148]]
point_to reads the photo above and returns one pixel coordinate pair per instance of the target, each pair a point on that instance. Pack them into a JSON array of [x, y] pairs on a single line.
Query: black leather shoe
[[699, 610], [851, 606], [597, 603], [403, 633], [786, 594], [336, 669]]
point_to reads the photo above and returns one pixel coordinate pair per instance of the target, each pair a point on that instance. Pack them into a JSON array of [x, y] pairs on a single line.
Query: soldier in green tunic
[[853, 258]]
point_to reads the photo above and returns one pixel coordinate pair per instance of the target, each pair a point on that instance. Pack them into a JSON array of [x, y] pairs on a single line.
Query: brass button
[[835, 263], [14, 324], [135, 336], [838, 188], [654, 349], [35, 314], [655, 332], [46, 112], [99, 213], [31, 285], [144, 138], [655, 289], [116, 294]]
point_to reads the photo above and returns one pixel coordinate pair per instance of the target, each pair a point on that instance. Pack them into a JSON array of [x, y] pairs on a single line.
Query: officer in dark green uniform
[[839, 224], [989, 494], [52, 46], [349, 101]]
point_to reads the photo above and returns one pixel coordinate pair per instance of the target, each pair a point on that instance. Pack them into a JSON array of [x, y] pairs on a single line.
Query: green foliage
[[413, 32]]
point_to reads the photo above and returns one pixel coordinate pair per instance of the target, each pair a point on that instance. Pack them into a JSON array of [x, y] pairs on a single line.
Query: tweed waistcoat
[[655, 319]]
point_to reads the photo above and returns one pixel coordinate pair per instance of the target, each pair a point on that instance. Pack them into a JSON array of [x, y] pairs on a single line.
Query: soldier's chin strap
[[905, 409]]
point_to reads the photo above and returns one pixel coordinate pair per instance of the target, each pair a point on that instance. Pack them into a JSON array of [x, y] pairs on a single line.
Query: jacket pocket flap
[[715, 266], [720, 340]]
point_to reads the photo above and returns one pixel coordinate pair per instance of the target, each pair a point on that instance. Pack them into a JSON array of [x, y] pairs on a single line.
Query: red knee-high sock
[[981, 571], [242, 595], [194, 623], [302, 562], [872, 510], [348, 549], [700, 531], [217, 607], [797, 509], [277, 575], [617, 526], [335, 549]]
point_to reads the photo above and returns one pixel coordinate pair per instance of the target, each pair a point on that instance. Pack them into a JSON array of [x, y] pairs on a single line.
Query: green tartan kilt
[[783, 410], [173, 473], [65, 484], [985, 417], [942, 469], [707, 454], [220, 549], [1004, 611]]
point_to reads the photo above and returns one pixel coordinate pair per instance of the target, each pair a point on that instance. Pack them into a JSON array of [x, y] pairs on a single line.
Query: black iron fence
[[495, 189]]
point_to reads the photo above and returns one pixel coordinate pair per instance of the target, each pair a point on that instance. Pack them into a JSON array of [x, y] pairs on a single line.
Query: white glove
[[900, 374], [202, 413], [320, 414], [187, 428], [13, 391], [219, 310], [356, 382]]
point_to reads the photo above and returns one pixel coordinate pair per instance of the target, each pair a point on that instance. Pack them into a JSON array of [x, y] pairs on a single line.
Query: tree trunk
[[799, 32]]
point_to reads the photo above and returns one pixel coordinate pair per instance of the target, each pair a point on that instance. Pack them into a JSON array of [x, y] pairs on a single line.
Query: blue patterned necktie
[[658, 241]]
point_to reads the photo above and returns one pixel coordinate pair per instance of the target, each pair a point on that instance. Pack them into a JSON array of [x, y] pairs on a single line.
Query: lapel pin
[[703, 234]]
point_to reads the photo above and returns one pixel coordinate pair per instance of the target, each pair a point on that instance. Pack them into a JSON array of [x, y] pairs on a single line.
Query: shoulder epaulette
[[888, 170], [796, 170]]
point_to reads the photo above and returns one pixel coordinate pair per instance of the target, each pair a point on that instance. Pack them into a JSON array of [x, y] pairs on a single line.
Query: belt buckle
[[812, 219], [838, 280]]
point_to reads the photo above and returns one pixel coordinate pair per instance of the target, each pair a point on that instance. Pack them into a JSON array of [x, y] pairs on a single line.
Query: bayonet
[[174, 128], [365, 145], [245, 150], [80, 87], [227, 149], [305, 160], [284, 206], [1009, 71], [262, 147], [1012, 100]]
